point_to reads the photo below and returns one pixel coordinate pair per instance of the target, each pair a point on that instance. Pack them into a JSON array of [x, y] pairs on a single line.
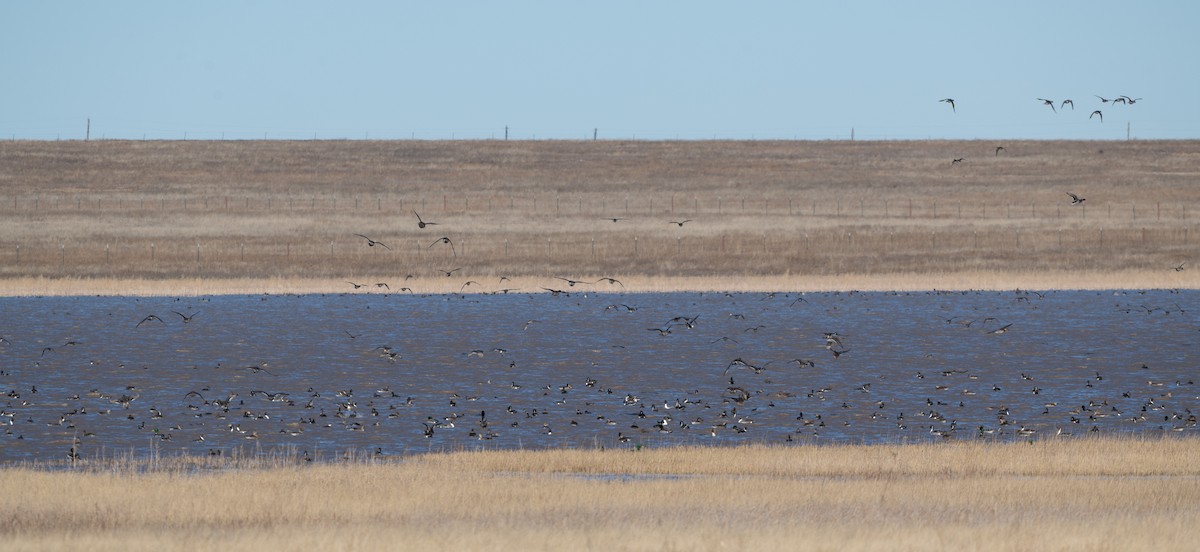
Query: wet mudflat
[[323, 374]]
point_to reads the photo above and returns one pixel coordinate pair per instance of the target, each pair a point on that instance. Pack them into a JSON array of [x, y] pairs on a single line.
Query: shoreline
[[911, 282]]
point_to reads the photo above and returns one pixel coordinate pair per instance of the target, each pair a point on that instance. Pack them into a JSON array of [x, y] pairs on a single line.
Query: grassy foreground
[[1077, 494], [243, 217]]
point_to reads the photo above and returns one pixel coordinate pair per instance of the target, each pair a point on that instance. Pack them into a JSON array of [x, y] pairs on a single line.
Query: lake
[[399, 373]]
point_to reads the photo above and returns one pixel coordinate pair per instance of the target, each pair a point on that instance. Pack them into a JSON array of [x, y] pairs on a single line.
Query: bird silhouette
[[148, 319], [450, 272], [1049, 103], [1076, 200], [422, 223], [611, 281], [1097, 112], [1102, 99], [1180, 267], [373, 243], [445, 240], [951, 102], [1000, 330], [185, 317], [1065, 102], [681, 222], [958, 160], [999, 149]]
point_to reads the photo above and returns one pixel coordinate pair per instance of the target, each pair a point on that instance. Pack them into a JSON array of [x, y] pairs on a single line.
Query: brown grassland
[[209, 217], [1091, 494], [173, 218]]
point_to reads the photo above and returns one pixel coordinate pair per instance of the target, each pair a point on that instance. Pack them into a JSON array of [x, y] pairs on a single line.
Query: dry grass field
[[1076, 494], [174, 218], [260, 216]]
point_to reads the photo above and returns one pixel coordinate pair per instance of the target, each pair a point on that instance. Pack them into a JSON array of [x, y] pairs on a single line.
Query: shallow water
[[583, 370]]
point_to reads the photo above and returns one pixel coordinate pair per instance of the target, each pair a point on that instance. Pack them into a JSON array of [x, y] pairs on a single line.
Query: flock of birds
[[1122, 99], [736, 368]]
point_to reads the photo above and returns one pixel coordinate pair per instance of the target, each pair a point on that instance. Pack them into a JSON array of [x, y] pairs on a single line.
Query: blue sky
[[642, 69]]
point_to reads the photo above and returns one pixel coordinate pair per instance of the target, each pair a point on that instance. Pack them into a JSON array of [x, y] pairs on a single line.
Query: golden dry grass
[[1079, 494], [210, 217]]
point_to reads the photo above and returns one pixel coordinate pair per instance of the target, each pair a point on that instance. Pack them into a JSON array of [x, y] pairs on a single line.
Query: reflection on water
[[404, 373]]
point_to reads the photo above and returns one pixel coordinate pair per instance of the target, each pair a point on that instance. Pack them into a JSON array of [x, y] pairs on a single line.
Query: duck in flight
[[185, 317], [445, 240], [422, 223], [1097, 112], [148, 319], [999, 149], [1076, 200], [958, 160], [1049, 103], [951, 102], [372, 243], [681, 222], [1065, 102], [611, 281]]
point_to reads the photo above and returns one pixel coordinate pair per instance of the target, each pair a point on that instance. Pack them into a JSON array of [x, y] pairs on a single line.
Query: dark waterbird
[[422, 223], [373, 243]]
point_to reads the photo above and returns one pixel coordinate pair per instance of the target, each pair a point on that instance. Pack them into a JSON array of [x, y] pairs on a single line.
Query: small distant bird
[[681, 222], [1097, 112], [1049, 103], [467, 283], [149, 318], [422, 223], [450, 272], [570, 282], [185, 317], [1076, 200], [383, 285], [951, 102], [1001, 329], [1127, 99], [614, 219], [611, 281], [372, 243], [1065, 102], [445, 240], [1179, 268], [1103, 100], [356, 286], [958, 160], [999, 149]]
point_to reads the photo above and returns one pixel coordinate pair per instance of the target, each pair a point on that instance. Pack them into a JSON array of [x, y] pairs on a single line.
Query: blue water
[[584, 370]]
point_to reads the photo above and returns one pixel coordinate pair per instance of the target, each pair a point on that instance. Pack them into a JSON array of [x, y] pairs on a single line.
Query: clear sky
[[645, 69]]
